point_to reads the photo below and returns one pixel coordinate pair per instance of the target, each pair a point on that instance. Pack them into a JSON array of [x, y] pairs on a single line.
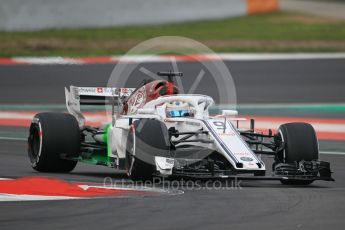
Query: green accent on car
[[96, 159], [105, 139], [99, 158]]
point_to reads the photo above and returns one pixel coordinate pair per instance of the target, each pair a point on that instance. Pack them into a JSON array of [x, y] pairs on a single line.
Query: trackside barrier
[[37, 14]]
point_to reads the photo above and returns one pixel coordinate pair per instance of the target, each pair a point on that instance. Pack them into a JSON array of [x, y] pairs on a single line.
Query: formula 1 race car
[[155, 131]]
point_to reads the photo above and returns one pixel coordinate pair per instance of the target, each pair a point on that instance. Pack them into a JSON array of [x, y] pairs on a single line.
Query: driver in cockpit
[[179, 108]]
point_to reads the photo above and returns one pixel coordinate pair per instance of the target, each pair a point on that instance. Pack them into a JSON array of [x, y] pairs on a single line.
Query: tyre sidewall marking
[[37, 123]]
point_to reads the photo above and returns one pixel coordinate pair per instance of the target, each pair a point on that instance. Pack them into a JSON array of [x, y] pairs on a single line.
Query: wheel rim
[[34, 145], [283, 154]]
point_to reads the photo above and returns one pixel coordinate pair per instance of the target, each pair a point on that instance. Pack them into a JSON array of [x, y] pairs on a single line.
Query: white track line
[[47, 60], [13, 139], [15, 197], [158, 59], [279, 56], [332, 153]]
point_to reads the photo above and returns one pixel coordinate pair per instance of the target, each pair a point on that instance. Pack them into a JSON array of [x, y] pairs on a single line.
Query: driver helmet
[[179, 108]]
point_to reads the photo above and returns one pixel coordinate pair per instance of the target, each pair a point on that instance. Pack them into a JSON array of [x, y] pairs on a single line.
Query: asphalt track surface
[[255, 81], [258, 204]]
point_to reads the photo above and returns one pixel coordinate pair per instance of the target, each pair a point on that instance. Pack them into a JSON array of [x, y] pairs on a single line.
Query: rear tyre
[[51, 135], [300, 143], [146, 139]]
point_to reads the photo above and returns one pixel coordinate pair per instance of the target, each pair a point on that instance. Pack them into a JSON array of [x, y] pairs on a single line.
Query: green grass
[[276, 32]]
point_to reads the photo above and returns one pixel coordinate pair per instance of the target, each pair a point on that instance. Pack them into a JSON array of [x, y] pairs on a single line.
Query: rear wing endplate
[[77, 96]]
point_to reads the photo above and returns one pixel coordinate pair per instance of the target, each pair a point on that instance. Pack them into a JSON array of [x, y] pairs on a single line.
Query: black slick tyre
[[51, 136], [146, 139], [300, 144]]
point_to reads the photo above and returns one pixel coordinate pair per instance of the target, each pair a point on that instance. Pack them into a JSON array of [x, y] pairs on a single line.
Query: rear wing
[[77, 96]]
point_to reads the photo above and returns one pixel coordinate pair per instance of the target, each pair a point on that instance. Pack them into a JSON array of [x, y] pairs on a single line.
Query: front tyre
[[52, 135], [136, 169], [300, 144], [146, 139]]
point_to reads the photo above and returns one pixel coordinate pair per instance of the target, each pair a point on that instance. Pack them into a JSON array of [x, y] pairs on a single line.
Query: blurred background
[[106, 27]]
